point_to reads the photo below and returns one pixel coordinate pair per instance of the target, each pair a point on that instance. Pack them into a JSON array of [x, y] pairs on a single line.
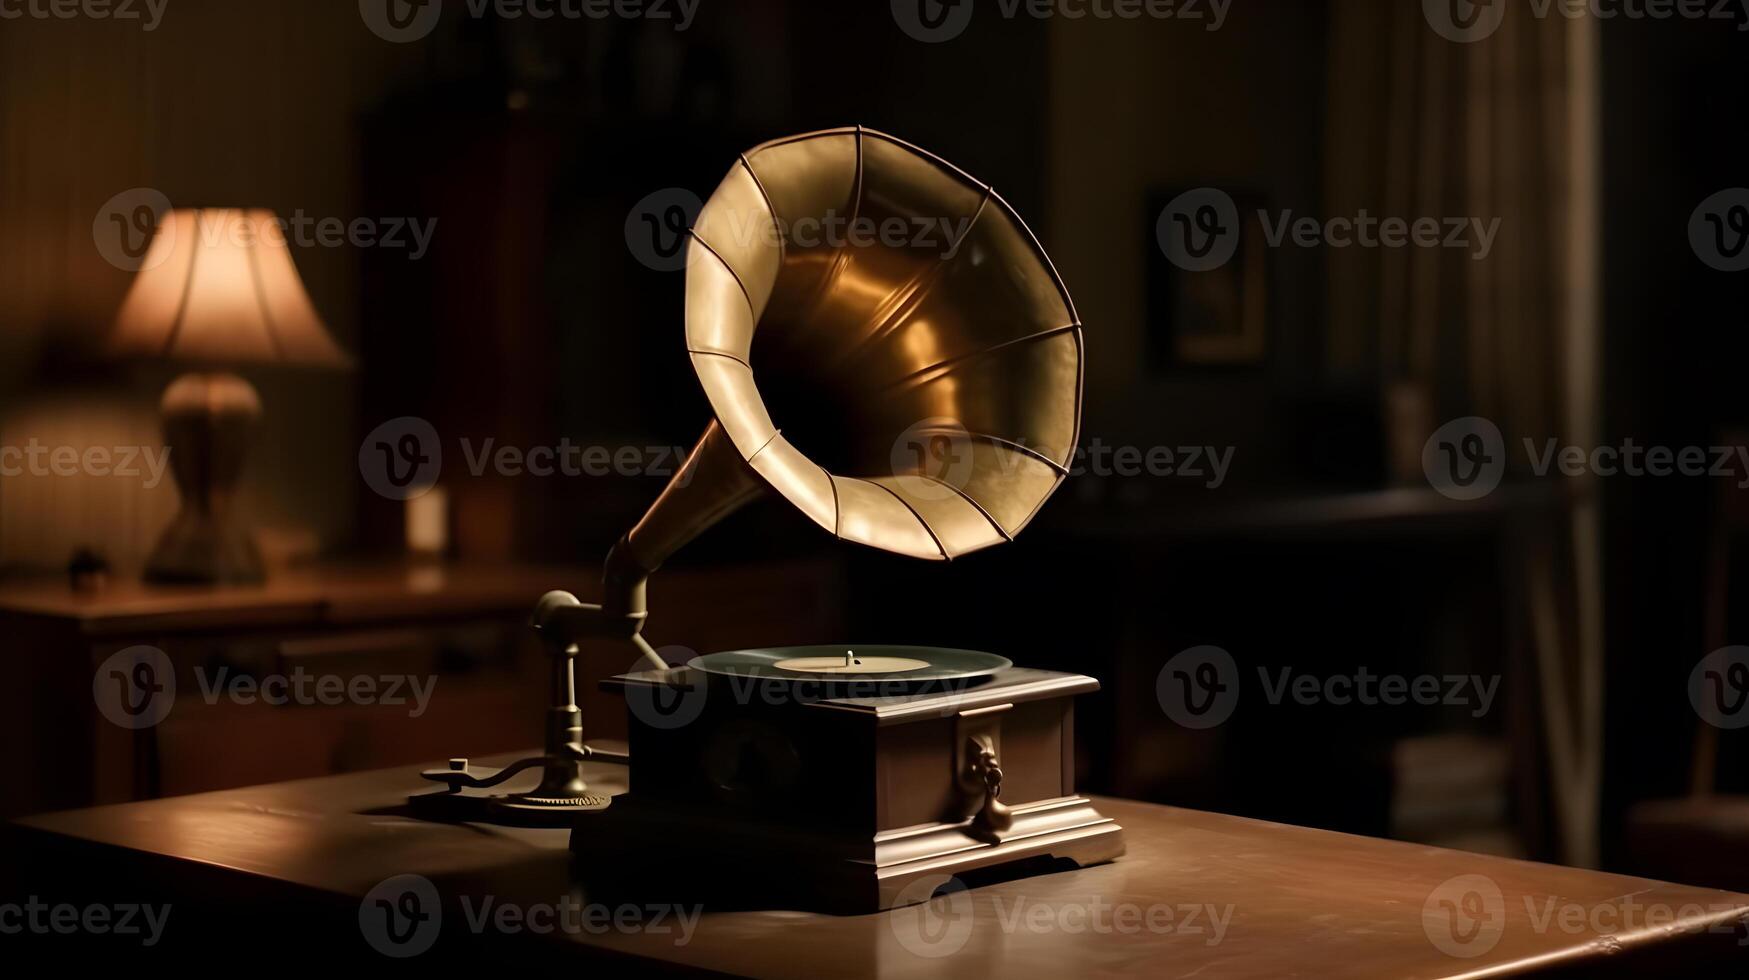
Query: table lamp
[[217, 289]]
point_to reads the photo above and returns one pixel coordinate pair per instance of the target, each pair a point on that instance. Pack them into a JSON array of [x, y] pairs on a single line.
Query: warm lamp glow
[[218, 286]]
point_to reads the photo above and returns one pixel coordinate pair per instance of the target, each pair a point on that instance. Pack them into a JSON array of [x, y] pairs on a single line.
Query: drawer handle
[[994, 818]]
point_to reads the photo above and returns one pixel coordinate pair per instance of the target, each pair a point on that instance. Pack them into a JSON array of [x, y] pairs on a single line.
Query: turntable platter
[[854, 662]]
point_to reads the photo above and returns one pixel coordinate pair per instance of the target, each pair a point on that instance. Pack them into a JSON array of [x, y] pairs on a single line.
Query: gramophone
[[924, 360]]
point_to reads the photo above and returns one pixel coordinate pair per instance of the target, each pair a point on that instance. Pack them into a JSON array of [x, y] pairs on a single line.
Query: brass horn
[[919, 390], [919, 360]]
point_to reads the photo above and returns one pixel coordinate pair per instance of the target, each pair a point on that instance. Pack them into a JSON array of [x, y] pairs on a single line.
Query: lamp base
[[196, 549], [209, 420]]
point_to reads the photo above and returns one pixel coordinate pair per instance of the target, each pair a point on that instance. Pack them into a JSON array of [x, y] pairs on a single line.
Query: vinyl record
[[850, 663]]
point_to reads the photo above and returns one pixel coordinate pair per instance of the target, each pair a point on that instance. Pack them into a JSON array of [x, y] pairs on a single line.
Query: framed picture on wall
[[1208, 280]]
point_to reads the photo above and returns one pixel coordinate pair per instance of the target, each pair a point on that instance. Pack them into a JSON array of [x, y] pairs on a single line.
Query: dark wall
[[1676, 341], [534, 321]]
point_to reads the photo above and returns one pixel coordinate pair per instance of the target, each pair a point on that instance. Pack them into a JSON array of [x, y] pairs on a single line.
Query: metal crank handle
[[458, 776]]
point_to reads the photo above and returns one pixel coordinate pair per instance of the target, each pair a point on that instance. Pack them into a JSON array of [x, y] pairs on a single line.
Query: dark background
[[531, 320]]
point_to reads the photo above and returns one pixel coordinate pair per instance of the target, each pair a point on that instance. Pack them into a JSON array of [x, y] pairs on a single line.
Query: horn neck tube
[[713, 483]]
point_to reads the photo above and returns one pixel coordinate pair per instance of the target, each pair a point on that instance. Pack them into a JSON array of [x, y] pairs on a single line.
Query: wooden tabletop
[[1198, 895]]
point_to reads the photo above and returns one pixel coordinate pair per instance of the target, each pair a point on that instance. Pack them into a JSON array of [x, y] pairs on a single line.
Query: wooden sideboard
[[334, 669]]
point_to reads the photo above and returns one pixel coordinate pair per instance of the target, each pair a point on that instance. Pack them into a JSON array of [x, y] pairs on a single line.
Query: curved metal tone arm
[[563, 622], [649, 652], [458, 776]]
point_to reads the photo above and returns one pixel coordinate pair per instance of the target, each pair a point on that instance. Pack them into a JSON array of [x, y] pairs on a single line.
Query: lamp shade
[[218, 286]]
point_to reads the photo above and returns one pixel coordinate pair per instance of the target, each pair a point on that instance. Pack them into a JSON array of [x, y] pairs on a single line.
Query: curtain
[[1503, 127]]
